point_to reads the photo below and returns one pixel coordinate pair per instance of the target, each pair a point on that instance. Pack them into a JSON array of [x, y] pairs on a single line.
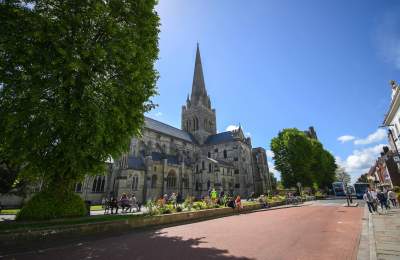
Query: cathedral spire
[[199, 92]]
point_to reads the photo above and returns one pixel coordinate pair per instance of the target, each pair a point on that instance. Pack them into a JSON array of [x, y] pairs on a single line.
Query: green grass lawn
[[15, 211], [6, 227], [9, 211]]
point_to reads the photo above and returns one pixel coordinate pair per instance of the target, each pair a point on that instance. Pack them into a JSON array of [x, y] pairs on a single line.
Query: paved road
[[309, 232]]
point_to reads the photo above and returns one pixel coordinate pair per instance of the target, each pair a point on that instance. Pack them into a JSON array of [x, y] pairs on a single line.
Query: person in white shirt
[[369, 199]]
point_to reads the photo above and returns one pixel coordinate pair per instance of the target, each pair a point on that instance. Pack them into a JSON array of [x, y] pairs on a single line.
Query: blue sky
[[270, 65]]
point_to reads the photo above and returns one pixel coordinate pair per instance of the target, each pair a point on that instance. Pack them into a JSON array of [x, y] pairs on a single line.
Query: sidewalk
[[380, 237], [386, 228]]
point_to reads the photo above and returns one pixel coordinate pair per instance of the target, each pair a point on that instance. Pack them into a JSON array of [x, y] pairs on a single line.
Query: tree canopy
[[302, 159], [75, 80]]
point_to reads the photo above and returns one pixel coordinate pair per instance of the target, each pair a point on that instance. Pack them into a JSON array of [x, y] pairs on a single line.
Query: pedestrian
[[263, 201], [238, 202], [368, 198], [214, 196], [392, 197], [382, 200], [173, 199]]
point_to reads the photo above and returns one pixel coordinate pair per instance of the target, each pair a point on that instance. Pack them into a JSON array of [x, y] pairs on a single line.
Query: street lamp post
[[391, 135]]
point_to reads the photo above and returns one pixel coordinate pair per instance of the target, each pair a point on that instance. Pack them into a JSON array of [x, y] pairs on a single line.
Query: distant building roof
[[168, 130], [220, 138]]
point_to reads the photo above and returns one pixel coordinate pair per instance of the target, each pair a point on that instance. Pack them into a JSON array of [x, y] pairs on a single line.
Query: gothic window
[[203, 167], [225, 154], [197, 168], [171, 179], [209, 167], [135, 182], [153, 181], [185, 181], [78, 187], [198, 186], [194, 124], [209, 155], [197, 123], [98, 184]]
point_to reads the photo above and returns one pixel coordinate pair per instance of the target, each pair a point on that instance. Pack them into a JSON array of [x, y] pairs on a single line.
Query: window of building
[[209, 155], [216, 150], [78, 187], [203, 167], [154, 181], [155, 168], [135, 182], [236, 171], [235, 159], [185, 181], [225, 154], [98, 184], [198, 186], [197, 168], [209, 167], [171, 180]]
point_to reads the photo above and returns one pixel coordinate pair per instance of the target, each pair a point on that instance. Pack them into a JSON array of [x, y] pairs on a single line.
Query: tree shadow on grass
[[141, 245]]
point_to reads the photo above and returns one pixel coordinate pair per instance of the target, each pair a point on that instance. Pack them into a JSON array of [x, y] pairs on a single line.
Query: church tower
[[198, 118]]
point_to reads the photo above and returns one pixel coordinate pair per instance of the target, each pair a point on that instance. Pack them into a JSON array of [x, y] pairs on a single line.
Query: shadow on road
[[143, 245]]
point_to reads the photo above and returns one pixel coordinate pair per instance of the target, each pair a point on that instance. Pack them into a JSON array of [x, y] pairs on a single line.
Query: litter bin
[[88, 203]]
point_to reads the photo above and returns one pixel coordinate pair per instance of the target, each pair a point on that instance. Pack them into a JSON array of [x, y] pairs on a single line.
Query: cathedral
[[191, 160]]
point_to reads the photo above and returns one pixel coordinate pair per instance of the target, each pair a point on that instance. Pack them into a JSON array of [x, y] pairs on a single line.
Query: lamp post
[[391, 135]]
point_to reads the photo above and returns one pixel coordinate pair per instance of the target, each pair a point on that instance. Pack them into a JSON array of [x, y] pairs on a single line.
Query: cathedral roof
[[162, 128], [220, 138]]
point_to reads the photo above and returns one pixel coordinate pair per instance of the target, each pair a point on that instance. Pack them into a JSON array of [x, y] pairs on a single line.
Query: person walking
[[368, 198], [382, 201], [238, 203], [392, 197]]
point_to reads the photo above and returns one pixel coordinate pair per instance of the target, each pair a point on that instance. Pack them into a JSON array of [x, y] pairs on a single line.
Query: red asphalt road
[[309, 232]]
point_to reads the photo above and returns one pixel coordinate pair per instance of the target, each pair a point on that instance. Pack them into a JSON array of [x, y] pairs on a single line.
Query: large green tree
[[76, 77], [323, 166], [293, 157], [302, 159]]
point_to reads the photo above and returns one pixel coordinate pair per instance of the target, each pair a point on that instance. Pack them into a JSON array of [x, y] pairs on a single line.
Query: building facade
[[388, 165], [191, 160]]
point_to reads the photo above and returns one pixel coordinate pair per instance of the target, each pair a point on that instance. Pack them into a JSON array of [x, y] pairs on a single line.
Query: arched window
[[135, 182], [153, 181], [171, 179], [194, 124], [185, 181], [225, 154], [78, 187], [197, 124], [98, 184]]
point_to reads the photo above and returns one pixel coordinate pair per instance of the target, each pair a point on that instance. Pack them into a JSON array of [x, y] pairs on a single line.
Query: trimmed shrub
[[52, 205]]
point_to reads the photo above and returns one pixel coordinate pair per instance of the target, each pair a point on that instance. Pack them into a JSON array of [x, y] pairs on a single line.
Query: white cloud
[[270, 154], [272, 169], [375, 137], [360, 161], [158, 114], [231, 127], [345, 138]]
